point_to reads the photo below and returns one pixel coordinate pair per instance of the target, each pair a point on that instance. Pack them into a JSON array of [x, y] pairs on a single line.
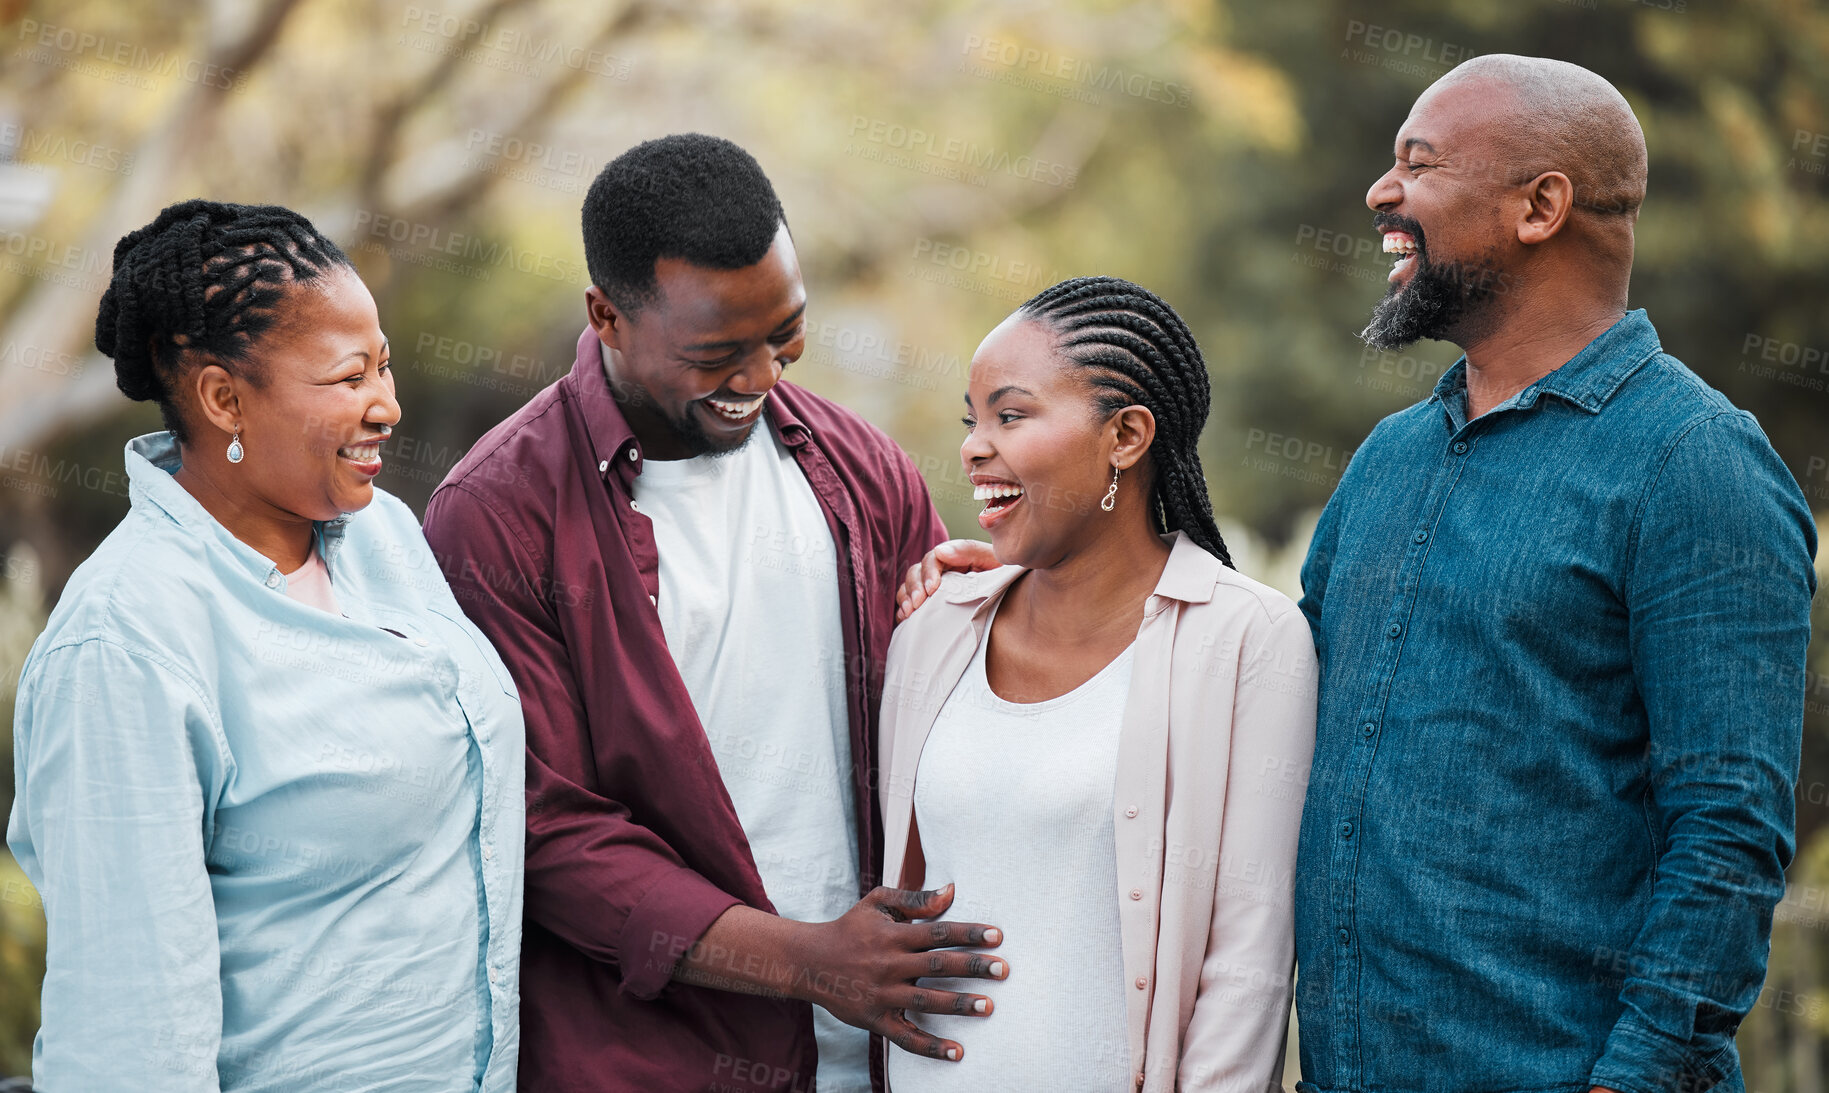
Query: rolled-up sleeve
[[1718, 593], [117, 763], [1235, 1038], [607, 885]]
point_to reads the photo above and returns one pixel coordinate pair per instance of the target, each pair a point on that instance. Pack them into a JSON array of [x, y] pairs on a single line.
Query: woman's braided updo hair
[[1138, 352], [204, 276]]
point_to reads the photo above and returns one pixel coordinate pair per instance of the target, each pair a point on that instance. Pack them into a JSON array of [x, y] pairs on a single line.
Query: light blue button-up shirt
[[279, 849]]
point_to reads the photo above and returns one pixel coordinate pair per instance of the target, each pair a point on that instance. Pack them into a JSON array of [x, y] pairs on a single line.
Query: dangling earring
[[235, 452], [1111, 495]]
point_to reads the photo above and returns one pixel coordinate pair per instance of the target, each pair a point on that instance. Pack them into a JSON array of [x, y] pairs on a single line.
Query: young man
[[688, 567], [1561, 608]]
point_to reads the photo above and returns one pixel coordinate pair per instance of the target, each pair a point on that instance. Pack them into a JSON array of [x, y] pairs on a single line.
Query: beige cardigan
[[1213, 761]]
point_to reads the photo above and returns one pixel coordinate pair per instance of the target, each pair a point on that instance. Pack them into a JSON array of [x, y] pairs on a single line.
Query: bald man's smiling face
[[1440, 211]]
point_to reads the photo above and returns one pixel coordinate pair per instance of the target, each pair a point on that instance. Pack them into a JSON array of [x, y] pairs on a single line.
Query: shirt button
[[488, 852], [1346, 830], [1394, 630], [492, 974], [1139, 1081], [1136, 893], [631, 455], [273, 580], [1421, 537], [1131, 812], [1460, 447], [1142, 982], [636, 505], [1368, 729], [653, 601], [421, 642], [1345, 938], [603, 467]]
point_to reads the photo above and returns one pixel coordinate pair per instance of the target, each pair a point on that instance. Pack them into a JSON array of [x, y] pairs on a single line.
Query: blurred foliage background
[[940, 161]]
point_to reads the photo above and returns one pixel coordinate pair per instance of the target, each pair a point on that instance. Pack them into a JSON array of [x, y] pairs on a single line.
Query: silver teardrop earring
[[235, 451], [1111, 495]]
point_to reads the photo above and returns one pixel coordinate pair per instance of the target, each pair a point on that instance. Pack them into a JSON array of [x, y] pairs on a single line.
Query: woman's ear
[[1134, 428], [217, 398]]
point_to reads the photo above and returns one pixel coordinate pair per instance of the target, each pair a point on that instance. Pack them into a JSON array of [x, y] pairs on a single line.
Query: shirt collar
[[610, 434], [1590, 377], [1189, 577], [153, 459]]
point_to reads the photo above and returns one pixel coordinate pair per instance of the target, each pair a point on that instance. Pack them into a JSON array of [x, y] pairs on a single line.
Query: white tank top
[[1014, 804]]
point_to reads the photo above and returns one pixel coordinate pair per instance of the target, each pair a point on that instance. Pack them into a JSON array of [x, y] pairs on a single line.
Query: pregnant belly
[[1059, 1021]]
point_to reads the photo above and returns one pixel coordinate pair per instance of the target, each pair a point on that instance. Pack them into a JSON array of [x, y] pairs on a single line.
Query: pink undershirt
[[310, 584]]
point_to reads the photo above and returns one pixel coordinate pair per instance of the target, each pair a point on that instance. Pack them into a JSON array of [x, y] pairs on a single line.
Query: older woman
[[269, 778], [1103, 743]]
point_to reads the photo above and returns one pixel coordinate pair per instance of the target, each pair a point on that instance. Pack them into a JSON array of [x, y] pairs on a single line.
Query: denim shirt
[[1562, 652], [279, 849]]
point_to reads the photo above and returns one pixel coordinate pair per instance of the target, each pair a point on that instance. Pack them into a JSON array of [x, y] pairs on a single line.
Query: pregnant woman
[[1102, 743], [269, 777]]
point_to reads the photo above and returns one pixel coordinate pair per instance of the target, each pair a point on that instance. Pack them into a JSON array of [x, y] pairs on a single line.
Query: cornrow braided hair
[[205, 276], [1137, 351]]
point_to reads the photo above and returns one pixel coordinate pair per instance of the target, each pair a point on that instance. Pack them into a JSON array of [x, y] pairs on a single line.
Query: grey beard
[[1437, 301]]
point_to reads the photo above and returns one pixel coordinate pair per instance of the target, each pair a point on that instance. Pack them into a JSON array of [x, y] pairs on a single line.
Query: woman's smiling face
[[312, 424], [1038, 452]]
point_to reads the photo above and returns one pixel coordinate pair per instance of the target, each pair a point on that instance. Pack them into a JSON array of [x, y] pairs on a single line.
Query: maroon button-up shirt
[[633, 846]]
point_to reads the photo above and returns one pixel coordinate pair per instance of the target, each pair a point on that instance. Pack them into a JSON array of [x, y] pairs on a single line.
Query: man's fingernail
[[980, 1006], [993, 935], [953, 1054], [997, 968]]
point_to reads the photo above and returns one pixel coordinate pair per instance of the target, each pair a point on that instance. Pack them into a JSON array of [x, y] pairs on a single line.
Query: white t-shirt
[[750, 607], [1014, 805]]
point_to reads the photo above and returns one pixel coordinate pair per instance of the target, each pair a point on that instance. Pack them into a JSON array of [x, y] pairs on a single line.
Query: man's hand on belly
[[862, 967]]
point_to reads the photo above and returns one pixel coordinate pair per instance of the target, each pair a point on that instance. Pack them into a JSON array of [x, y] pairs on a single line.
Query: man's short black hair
[[688, 196]]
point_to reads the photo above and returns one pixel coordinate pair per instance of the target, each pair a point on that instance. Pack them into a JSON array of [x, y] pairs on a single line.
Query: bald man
[[1561, 608]]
